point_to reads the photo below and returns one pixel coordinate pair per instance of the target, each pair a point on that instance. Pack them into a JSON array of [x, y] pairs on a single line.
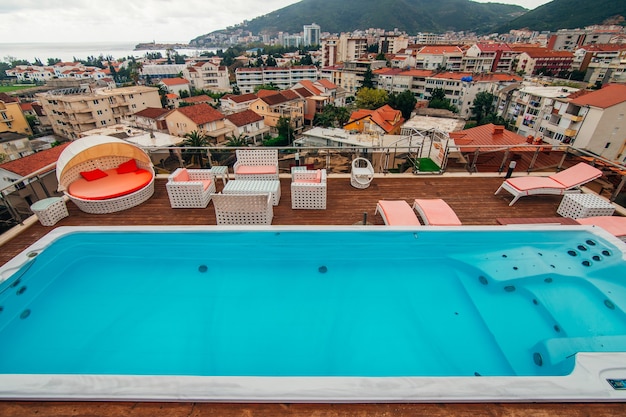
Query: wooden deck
[[472, 199]]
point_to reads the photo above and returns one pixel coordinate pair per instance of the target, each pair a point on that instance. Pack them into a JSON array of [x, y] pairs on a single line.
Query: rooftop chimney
[[498, 130]]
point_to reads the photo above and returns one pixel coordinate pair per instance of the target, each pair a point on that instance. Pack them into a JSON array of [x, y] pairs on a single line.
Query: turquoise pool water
[[384, 303]]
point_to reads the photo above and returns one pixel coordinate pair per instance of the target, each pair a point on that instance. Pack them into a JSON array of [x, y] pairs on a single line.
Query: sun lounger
[[436, 212], [396, 213], [563, 182]]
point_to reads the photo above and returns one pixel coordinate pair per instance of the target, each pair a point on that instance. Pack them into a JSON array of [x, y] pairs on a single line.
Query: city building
[[12, 119], [276, 104], [249, 124], [383, 120], [282, 78], [543, 61], [207, 75], [311, 34], [200, 118], [75, 110]]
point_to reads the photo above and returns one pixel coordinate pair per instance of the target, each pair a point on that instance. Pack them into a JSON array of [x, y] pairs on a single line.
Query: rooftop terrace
[[472, 198]]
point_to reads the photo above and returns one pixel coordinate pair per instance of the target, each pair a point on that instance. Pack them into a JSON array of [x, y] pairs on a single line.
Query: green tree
[[368, 79], [332, 116], [196, 139], [482, 105], [269, 86], [52, 61], [371, 98], [438, 100], [405, 102], [237, 141], [285, 130]]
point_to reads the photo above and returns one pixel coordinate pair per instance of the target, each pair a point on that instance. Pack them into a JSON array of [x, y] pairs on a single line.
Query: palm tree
[[197, 139], [237, 141]]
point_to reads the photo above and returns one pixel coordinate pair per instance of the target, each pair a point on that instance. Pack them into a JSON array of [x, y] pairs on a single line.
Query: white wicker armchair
[[362, 173], [308, 190], [236, 209], [256, 164], [190, 188]]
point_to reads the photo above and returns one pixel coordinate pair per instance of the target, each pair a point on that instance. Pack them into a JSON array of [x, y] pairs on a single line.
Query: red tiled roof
[[26, 106], [266, 93], [197, 99], [174, 81], [608, 96], [386, 117], [240, 98], [244, 118], [327, 84], [31, 163], [485, 135], [492, 47], [303, 92], [201, 113], [7, 98], [440, 49], [152, 112]]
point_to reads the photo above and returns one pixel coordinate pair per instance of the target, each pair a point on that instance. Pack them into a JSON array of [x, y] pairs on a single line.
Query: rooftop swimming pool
[[316, 314]]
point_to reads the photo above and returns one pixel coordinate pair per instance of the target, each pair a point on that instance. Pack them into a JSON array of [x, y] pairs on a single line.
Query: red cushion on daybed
[[126, 167], [93, 175], [111, 186]]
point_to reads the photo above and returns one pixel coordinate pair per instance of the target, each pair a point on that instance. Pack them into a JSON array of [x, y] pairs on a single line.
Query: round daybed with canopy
[[103, 174]]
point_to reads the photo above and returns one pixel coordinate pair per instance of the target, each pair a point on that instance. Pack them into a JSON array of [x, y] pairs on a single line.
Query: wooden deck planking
[[472, 199]]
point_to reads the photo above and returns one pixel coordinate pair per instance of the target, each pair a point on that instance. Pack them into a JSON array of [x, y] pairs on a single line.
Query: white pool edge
[[588, 381]]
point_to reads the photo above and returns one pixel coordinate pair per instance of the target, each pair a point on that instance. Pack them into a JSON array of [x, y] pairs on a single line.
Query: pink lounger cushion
[[574, 176], [256, 169], [398, 213], [111, 186], [616, 225], [436, 212]]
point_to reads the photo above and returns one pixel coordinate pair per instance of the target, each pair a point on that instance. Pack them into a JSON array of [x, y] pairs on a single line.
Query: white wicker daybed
[[102, 174]]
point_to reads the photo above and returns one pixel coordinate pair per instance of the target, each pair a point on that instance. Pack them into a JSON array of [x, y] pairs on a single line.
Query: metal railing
[[16, 198]]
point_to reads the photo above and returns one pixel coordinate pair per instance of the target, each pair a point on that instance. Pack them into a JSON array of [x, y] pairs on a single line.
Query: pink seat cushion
[[182, 176], [316, 180], [576, 175], [526, 184], [437, 212], [111, 186], [205, 184], [256, 170], [616, 225], [398, 213]]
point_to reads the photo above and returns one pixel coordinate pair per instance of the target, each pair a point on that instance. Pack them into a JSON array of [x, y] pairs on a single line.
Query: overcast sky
[[135, 21]]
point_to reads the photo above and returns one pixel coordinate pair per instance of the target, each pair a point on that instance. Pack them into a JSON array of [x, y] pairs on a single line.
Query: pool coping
[[587, 382]]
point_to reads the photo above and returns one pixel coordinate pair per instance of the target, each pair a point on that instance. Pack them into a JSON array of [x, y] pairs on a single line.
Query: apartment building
[[249, 124], [597, 121], [282, 78], [206, 75], [232, 103], [488, 57], [343, 48], [311, 34], [349, 75], [602, 63], [572, 39], [384, 120], [396, 80], [274, 105], [201, 118], [439, 57], [176, 85], [75, 110], [461, 88], [535, 61], [392, 43], [12, 117], [61, 70], [530, 107]]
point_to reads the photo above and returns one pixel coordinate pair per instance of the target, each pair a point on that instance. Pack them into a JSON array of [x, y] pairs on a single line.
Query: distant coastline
[[68, 51], [151, 46]]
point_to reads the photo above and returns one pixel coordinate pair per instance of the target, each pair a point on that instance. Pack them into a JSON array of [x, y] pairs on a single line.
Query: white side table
[[222, 171], [254, 187], [50, 210], [584, 205]]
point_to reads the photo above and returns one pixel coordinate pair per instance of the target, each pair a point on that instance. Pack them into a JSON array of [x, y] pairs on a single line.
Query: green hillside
[[411, 16], [569, 14]]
